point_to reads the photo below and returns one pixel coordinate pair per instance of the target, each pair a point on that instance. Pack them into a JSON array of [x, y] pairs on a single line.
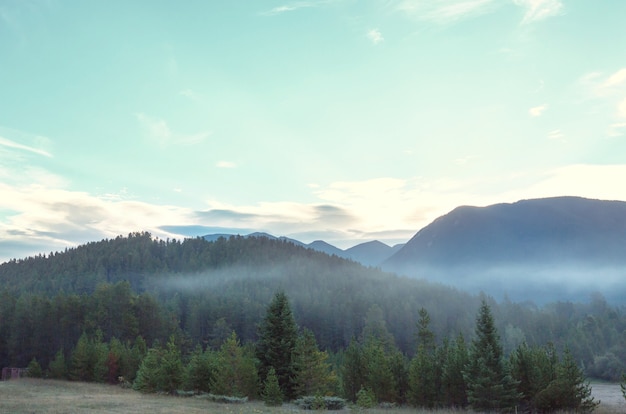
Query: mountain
[[533, 247], [371, 253]]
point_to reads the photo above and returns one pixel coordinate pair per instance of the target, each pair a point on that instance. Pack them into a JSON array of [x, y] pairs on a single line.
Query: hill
[[552, 248], [371, 253]]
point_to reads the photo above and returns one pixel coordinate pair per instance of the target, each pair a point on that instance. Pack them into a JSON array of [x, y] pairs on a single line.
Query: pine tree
[[623, 385], [379, 375], [312, 371], [235, 371], [490, 387], [200, 371], [453, 383], [171, 367], [568, 391], [34, 369], [272, 394], [82, 360], [423, 391], [58, 367], [277, 340], [150, 376], [353, 371]]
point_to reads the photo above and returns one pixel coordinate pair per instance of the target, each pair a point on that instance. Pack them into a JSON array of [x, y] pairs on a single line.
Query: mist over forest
[[139, 286]]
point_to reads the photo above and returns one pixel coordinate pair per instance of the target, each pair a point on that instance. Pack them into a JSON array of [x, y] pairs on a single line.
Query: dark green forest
[[115, 308]]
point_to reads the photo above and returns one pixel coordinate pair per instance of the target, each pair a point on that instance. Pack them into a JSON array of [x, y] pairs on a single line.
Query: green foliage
[[200, 370], [365, 398], [277, 341], [353, 371], [313, 375], [623, 385], [224, 399], [57, 369], [171, 367], [320, 402], [272, 394], [489, 384], [34, 369], [235, 371], [568, 391], [150, 376]]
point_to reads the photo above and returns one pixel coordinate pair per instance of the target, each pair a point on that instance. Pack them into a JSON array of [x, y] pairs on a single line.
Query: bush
[[319, 402], [34, 369], [226, 399], [365, 398]]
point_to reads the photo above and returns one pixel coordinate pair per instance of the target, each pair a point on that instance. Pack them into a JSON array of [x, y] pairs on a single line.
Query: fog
[[539, 283]]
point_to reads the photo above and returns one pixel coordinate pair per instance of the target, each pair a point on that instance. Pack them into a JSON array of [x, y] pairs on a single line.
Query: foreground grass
[[32, 396]]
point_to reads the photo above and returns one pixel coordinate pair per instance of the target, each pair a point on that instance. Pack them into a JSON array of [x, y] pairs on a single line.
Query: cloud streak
[[7, 143], [537, 10], [444, 11]]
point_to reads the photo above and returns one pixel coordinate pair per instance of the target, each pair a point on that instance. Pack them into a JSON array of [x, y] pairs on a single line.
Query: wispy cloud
[[616, 130], [621, 108], [225, 164], [159, 132], [444, 11], [4, 142], [537, 10], [537, 110], [616, 79], [289, 8], [556, 135], [375, 36]]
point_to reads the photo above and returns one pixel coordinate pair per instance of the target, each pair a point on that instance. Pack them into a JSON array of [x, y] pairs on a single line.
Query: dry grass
[[31, 396]]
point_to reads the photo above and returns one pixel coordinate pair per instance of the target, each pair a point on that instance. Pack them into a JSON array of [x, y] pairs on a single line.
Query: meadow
[[33, 396]]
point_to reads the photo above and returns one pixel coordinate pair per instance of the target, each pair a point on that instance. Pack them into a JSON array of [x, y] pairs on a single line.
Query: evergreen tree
[[82, 360], [623, 385], [353, 371], [453, 383], [533, 368], [568, 391], [423, 379], [277, 340], [149, 377], [312, 371], [58, 367], [272, 394], [379, 375], [34, 369], [235, 372], [200, 371], [171, 367], [490, 387]]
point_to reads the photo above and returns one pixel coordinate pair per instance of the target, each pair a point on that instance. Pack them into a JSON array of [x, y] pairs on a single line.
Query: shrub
[[319, 402], [365, 398], [34, 369], [226, 399]]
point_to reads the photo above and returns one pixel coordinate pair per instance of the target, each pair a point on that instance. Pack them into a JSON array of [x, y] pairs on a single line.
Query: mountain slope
[[561, 239], [370, 253]]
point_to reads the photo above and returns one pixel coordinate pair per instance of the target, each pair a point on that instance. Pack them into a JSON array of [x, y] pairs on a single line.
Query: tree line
[[285, 363], [138, 285]]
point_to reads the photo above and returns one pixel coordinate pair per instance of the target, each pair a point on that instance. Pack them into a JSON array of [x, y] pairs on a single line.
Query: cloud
[[4, 142], [159, 132], [616, 79], [616, 129], [621, 108], [375, 36], [288, 8], [225, 164], [537, 110], [444, 11], [537, 10], [556, 135]]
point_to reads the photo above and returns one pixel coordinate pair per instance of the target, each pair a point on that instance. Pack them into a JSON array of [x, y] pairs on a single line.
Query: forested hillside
[[199, 292]]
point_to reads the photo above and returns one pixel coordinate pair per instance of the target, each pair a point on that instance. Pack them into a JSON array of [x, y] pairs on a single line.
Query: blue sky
[[340, 120]]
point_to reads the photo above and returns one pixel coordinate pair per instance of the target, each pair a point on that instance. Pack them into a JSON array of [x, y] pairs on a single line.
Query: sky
[[341, 120]]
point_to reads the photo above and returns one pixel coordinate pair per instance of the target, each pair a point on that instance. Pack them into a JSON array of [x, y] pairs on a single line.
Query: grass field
[[31, 396]]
